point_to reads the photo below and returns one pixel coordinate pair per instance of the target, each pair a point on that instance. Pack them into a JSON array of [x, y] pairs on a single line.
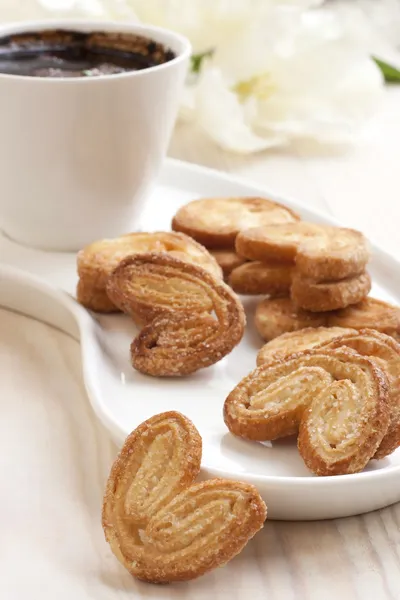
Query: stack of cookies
[[321, 267], [312, 275], [216, 222], [264, 248], [329, 284]]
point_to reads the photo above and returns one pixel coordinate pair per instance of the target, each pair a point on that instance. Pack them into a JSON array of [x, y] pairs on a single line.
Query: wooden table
[[58, 456]]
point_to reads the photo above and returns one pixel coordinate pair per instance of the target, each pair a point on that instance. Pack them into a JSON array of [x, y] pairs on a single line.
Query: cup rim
[[177, 42]]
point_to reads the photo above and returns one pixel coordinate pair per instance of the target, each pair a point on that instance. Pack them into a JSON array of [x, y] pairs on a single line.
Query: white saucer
[[122, 398]]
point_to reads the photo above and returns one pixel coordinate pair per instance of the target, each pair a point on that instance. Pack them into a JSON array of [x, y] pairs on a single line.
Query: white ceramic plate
[[122, 398]]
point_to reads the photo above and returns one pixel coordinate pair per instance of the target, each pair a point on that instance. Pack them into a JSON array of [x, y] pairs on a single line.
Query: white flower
[[304, 77], [207, 23], [221, 115], [96, 9]]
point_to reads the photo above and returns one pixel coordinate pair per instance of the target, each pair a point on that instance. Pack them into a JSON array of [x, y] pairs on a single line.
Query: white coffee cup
[[78, 156]]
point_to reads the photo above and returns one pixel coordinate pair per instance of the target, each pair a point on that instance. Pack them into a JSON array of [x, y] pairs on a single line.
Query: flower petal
[[222, 117]]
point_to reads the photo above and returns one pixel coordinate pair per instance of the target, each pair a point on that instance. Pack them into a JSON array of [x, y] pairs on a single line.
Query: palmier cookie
[[385, 351], [260, 278], [94, 298], [296, 341], [228, 260], [369, 313], [336, 399], [215, 222], [329, 295], [162, 526], [367, 342], [97, 261], [175, 298], [321, 252], [275, 316]]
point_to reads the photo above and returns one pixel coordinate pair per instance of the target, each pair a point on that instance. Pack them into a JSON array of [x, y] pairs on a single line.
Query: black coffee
[[63, 53]]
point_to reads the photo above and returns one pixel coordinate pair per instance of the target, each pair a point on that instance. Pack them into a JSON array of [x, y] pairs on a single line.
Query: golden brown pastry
[[174, 298], [215, 222], [296, 341], [370, 313], [160, 525], [279, 242], [385, 351], [94, 298], [342, 429], [275, 316], [336, 253], [336, 399], [144, 291], [321, 252], [329, 295], [97, 261], [259, 278], [227, 260]]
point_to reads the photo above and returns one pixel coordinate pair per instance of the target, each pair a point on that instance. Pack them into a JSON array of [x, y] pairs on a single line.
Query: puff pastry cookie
[[94, 298], [275, 316], [259, 278], [370, 313], [96, 262], [175, 298], [321, 252], [162, 526], [330, 295], [336, 399], [228, 260], [296, 341], [384, 350], [215, 222], [279, 242]]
